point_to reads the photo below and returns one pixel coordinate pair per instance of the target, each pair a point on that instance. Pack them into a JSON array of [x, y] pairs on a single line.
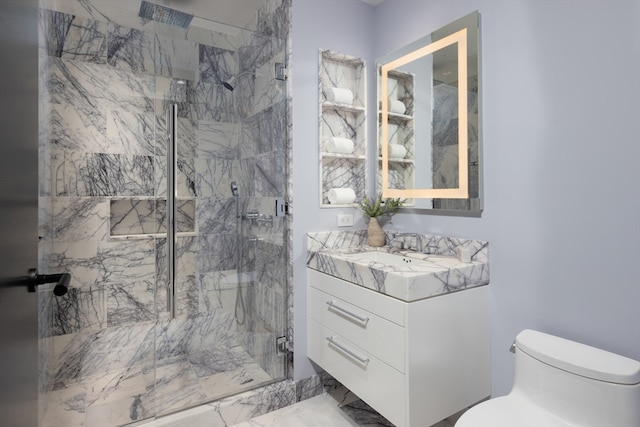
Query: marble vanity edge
[[322, 245]]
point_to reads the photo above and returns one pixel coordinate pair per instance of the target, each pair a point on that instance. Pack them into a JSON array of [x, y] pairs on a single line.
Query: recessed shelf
[[327, 105], [341, 120]]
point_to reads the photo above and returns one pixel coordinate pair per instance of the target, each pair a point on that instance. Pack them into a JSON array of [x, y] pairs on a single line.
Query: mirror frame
[[465, 34]]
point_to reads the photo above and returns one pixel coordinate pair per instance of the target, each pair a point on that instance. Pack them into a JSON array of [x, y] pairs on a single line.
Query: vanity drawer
[[367, 299], [375, 382], [376, 335]]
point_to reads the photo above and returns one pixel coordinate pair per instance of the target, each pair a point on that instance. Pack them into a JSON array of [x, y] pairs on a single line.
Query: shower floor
[[121, 396]]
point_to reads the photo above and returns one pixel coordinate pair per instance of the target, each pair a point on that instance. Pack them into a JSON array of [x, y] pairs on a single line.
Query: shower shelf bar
[[172, 195]]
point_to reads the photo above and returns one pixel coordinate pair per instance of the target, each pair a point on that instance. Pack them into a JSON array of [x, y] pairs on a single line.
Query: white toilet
[[563, 383]]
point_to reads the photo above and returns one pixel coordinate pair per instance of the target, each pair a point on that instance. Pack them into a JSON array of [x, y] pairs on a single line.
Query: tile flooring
[[327, 411], [337, 408]]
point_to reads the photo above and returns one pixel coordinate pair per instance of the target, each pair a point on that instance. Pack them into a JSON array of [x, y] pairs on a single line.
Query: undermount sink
[[392, 260]]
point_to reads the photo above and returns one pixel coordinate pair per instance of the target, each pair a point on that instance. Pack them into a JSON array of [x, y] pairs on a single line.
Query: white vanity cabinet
[[415, 363]]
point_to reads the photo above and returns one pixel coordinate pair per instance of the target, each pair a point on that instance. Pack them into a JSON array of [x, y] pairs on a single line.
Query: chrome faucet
[[400, 241]]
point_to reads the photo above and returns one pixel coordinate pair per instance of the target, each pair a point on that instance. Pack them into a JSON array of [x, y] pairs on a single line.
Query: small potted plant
[[375, 208]]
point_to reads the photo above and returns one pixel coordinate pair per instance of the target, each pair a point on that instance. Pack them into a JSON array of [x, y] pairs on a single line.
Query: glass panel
[[230, 286], [113, 354]]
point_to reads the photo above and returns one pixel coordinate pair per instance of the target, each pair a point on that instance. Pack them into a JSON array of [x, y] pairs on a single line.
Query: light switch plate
[[345, 220]]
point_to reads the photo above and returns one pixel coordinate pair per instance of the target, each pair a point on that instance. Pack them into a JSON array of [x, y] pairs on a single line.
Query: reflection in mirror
[[429, 147]]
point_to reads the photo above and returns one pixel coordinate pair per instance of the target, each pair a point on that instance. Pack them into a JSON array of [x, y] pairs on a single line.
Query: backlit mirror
[[429, 149]]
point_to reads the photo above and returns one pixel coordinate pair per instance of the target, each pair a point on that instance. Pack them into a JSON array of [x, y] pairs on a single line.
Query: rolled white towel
[[339, 95], [396, 106], [339, 145], [341, 195], [397, 151]]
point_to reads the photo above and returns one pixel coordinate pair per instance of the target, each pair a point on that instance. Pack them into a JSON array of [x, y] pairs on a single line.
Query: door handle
[[33, 279]]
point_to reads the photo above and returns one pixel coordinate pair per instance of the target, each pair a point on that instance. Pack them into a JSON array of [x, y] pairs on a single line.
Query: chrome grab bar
[[349, 313], [349, 352], [172, 194]]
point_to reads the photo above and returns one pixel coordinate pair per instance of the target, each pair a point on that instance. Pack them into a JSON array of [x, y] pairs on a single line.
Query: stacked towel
[[397, 151], [397, 107], [339, 145], [341, 195], [339, 95]]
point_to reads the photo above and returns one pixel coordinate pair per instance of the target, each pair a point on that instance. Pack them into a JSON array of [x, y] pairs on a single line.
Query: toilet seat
[[508, 411]]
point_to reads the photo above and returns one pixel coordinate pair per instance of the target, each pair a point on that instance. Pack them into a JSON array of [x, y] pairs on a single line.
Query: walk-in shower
[[174, 300]]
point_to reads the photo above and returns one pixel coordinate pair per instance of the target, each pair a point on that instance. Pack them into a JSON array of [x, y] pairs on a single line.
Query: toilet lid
[[508, 411]]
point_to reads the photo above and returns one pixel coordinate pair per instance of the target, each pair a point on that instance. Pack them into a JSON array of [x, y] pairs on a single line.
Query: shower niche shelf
[[342, 120]]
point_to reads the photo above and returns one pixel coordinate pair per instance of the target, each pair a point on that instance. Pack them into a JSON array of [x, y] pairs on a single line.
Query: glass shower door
[[111, 351], [221, 297]]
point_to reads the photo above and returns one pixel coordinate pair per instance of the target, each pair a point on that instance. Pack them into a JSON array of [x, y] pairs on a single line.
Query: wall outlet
[[345, 220]]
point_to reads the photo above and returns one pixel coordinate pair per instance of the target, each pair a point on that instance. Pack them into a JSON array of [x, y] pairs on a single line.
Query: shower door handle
[[172, 194]]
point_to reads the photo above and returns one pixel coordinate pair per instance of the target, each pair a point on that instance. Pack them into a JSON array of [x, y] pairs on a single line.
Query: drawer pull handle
[[362, 360], [349, 313]]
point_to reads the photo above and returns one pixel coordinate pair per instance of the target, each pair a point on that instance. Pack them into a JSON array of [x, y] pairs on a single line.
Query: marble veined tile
[[265, 131], [88, 174], [79, 126], [216, 64], [186, 185], [212, 101], [343, 173], [129, 132], [72, 82], [74, 219], [126, 261], [132, 216], [270, 176], [214, 176], [75, 257], [216, 252], [118, 397], [65, 406], [335, 74], [148, 216], [176, 58], [319, 411], [130, 302], [218, 139], [130, 49], [80, 309], [72, 37]]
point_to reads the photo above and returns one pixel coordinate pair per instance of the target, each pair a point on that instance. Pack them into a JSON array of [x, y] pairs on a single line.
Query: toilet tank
[[580, 384]]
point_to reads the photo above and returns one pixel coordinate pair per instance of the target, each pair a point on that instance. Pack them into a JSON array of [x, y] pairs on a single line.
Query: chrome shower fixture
[[228, 84], [165, 15]]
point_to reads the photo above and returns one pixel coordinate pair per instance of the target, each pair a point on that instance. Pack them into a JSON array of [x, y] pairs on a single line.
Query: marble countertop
[[431, 275]]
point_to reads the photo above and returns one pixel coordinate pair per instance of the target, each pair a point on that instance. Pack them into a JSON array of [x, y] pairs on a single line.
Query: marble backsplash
[[422, 243]]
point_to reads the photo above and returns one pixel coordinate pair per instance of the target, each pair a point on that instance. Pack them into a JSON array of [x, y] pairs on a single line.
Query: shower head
[[228, 84], [165, 15], [234, 189]]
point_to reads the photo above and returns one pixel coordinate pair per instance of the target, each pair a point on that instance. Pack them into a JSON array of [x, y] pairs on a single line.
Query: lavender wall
[[561, 181], [343, 26]]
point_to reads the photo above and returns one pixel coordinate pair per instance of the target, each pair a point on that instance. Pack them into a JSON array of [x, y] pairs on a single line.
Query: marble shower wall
[[107, 77]]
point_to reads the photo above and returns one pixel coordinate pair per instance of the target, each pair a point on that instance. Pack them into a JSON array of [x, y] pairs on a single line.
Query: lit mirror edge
[[462, 191], [476, 205]]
